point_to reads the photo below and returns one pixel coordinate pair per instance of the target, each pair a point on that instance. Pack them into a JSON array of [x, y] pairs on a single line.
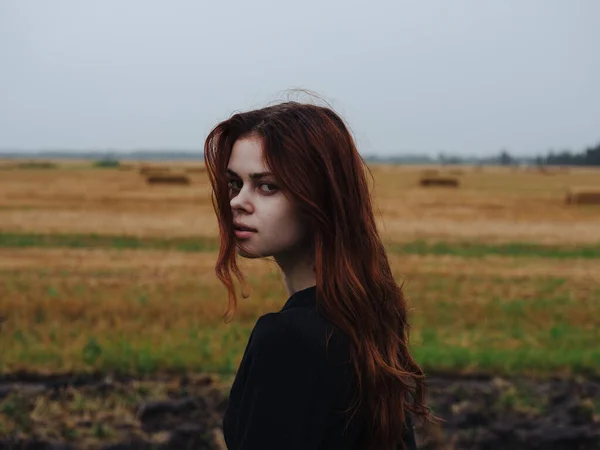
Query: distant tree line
[[589, 157]]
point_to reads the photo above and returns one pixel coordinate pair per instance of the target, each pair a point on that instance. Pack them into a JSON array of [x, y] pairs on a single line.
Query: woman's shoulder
[[300, 330], [277, 327]]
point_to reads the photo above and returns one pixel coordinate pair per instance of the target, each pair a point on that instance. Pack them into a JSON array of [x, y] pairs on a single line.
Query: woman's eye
[[267, 188], [270, 187], [232, 186]]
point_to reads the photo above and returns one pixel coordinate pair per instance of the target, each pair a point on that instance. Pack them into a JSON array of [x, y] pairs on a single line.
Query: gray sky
[[463, 77]]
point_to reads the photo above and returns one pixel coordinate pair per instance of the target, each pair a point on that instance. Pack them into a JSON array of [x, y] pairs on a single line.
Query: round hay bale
[[583, 195], [168, 178], [439, 181]]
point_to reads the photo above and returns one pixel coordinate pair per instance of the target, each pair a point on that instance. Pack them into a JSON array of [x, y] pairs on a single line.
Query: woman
[[331, 369]]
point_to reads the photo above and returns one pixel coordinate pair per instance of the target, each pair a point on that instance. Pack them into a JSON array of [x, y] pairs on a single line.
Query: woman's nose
[[242, 199]]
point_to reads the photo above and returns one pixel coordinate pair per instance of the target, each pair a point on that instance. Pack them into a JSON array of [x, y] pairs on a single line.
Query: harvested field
[[102, 273]]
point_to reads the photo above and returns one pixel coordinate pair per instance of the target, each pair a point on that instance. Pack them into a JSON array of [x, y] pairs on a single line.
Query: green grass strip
[[513, 249], [201, 354], [22, 240], [207, 244]]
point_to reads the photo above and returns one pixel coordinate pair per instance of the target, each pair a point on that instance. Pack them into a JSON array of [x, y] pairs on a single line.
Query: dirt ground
[[95, 412]]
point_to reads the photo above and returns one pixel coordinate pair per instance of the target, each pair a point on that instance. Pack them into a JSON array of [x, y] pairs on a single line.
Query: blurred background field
[[102, 271]]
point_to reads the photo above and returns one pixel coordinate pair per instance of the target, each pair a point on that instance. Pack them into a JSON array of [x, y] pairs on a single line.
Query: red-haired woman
[[332, 369]]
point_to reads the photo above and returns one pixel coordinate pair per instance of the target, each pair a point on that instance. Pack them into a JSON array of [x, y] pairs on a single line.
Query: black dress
[[287, 393]]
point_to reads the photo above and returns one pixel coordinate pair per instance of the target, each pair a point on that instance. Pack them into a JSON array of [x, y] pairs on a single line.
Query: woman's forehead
[[247, 157]]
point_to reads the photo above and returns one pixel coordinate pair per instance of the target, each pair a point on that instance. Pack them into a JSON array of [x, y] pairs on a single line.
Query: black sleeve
[[288, 392]]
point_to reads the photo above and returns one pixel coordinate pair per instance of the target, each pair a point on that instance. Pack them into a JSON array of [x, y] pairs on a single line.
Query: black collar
[[304, 297]]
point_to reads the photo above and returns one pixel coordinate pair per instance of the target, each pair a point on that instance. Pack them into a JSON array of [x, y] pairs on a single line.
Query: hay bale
[[168, 178], [439, 181], [583, 195], [36, 165]]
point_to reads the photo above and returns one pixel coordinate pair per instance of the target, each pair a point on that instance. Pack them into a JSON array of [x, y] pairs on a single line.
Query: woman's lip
[[243, 234]]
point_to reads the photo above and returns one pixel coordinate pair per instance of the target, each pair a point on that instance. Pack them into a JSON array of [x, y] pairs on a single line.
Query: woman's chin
[[244, 253]]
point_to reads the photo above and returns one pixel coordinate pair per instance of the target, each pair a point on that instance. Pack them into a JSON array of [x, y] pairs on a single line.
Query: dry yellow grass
[[56, 300], [496, 205], [196, 169], [201, 265], [126, 167], [164, 307], [430, 173], [147, 169]]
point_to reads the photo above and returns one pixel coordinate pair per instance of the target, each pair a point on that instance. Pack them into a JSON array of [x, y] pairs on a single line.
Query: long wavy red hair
[[314, 158]]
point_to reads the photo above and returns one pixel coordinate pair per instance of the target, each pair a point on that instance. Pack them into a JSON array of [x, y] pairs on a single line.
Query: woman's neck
[[297, 272]]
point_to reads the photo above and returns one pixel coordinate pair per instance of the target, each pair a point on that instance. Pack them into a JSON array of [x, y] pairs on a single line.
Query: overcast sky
[[462, 77]]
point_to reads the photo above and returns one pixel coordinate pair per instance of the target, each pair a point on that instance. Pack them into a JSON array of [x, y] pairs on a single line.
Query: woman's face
[[257, 203]]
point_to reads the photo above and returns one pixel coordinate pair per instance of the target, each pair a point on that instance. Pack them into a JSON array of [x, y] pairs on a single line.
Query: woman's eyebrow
[[253, 176]]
